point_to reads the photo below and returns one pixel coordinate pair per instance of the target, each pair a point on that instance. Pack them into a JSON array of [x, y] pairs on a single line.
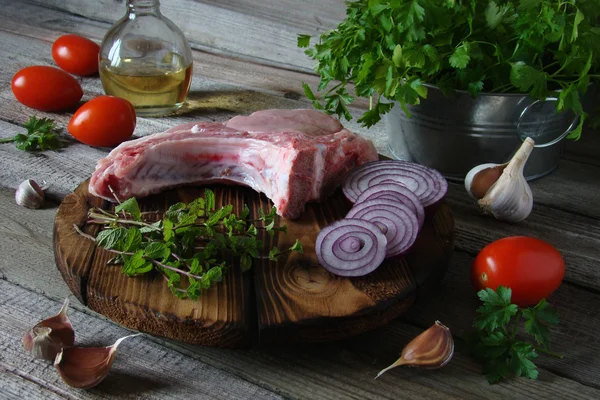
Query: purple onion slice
[[397, 221], [427, 184], [395, 192], [351, 247]]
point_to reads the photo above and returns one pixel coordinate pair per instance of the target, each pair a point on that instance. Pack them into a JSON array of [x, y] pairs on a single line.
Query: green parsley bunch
[[392, 48], [495, 343]]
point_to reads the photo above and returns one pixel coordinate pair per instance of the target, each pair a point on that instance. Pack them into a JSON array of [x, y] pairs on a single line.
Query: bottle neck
[[142, 7]]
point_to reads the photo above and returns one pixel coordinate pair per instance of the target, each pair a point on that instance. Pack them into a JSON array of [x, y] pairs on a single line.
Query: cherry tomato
[[76, 54], [103, 121], [532, 268], [46, 88]]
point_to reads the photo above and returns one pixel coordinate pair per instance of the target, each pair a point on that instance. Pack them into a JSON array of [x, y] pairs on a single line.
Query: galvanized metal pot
[[453, 134]]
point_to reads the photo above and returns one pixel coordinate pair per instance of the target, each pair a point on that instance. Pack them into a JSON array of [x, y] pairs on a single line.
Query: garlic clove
[[432, 349], [479, 180], [510, 198], [86, 367], [29, 194], [48, 337]]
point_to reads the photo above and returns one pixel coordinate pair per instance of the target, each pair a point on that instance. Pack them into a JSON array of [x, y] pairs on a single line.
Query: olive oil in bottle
[[155, 90], [146, 59]]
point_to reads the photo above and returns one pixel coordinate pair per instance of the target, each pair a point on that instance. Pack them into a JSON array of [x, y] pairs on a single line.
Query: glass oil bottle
[[147, 60]]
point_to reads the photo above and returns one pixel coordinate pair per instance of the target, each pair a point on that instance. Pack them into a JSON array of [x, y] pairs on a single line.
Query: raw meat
[[292, 156]]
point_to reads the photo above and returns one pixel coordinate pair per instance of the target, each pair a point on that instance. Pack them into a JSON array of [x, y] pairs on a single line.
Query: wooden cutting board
[[293, 300]]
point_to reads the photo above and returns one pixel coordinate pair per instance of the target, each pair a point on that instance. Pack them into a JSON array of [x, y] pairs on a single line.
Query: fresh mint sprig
[[495, 343], [189, 245]]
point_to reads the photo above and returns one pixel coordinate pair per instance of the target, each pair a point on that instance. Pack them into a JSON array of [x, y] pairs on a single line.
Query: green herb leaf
[[297, 247], [245, 262], [495, 342], [40, 136], [132, 207], [533, 47], [496, 310], [188, 244], [537, 321], [460, 58], [111, 238], [136, 264], [303, 41], [157, 250], [274, 253], [209, 197], [525, 77]]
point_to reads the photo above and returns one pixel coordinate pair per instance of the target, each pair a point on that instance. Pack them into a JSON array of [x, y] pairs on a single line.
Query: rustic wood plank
[[26, 264], [338, 370], [142, 369], [221, 317], [270, 27], [292, 306], [577, 240], [297, 300], [575, 337], [346, 369]]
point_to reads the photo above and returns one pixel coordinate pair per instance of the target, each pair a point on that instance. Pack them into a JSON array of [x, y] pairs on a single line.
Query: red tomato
[[76, 54], [103, 121], [532, 268], [46, 88]]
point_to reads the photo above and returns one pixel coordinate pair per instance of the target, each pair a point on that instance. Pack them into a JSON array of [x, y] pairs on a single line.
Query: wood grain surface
[[293, 300], [238, 73]]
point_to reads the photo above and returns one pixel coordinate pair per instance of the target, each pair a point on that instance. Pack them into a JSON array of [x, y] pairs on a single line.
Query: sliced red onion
[[395, 192], [397, 221], [351, 247], [427, 184]]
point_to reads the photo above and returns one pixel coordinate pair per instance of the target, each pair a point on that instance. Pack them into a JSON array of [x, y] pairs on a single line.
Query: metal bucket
[[454, 134]]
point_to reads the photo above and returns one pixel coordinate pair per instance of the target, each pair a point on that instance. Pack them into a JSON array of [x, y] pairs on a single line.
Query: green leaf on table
[[297, 247], [209, 196], [132, 241], [40, 136], [245, 262], [274, 253], [136, 264], [112, 238], [537, 321], [303, 41], [131, 207], [157, 250], [496, 310], [521, 364]]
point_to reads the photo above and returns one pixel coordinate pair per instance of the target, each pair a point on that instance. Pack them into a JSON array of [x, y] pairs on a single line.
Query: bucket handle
[[523, 136]]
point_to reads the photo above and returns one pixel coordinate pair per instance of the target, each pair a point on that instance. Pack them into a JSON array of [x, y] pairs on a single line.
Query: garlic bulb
[[29, 194], [86, 367], [48, 337], [432, 349], [501, 189]]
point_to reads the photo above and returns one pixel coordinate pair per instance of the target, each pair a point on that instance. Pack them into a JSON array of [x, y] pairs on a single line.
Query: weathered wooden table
[[246, 59]]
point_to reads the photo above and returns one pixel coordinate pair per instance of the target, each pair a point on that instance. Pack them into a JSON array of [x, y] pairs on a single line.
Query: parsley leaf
[[41, 135], [303, 41], [537, 321], [495, 343], [534, 47]]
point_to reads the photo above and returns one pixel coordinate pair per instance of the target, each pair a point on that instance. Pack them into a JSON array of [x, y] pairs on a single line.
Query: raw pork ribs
[[292, 156]]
